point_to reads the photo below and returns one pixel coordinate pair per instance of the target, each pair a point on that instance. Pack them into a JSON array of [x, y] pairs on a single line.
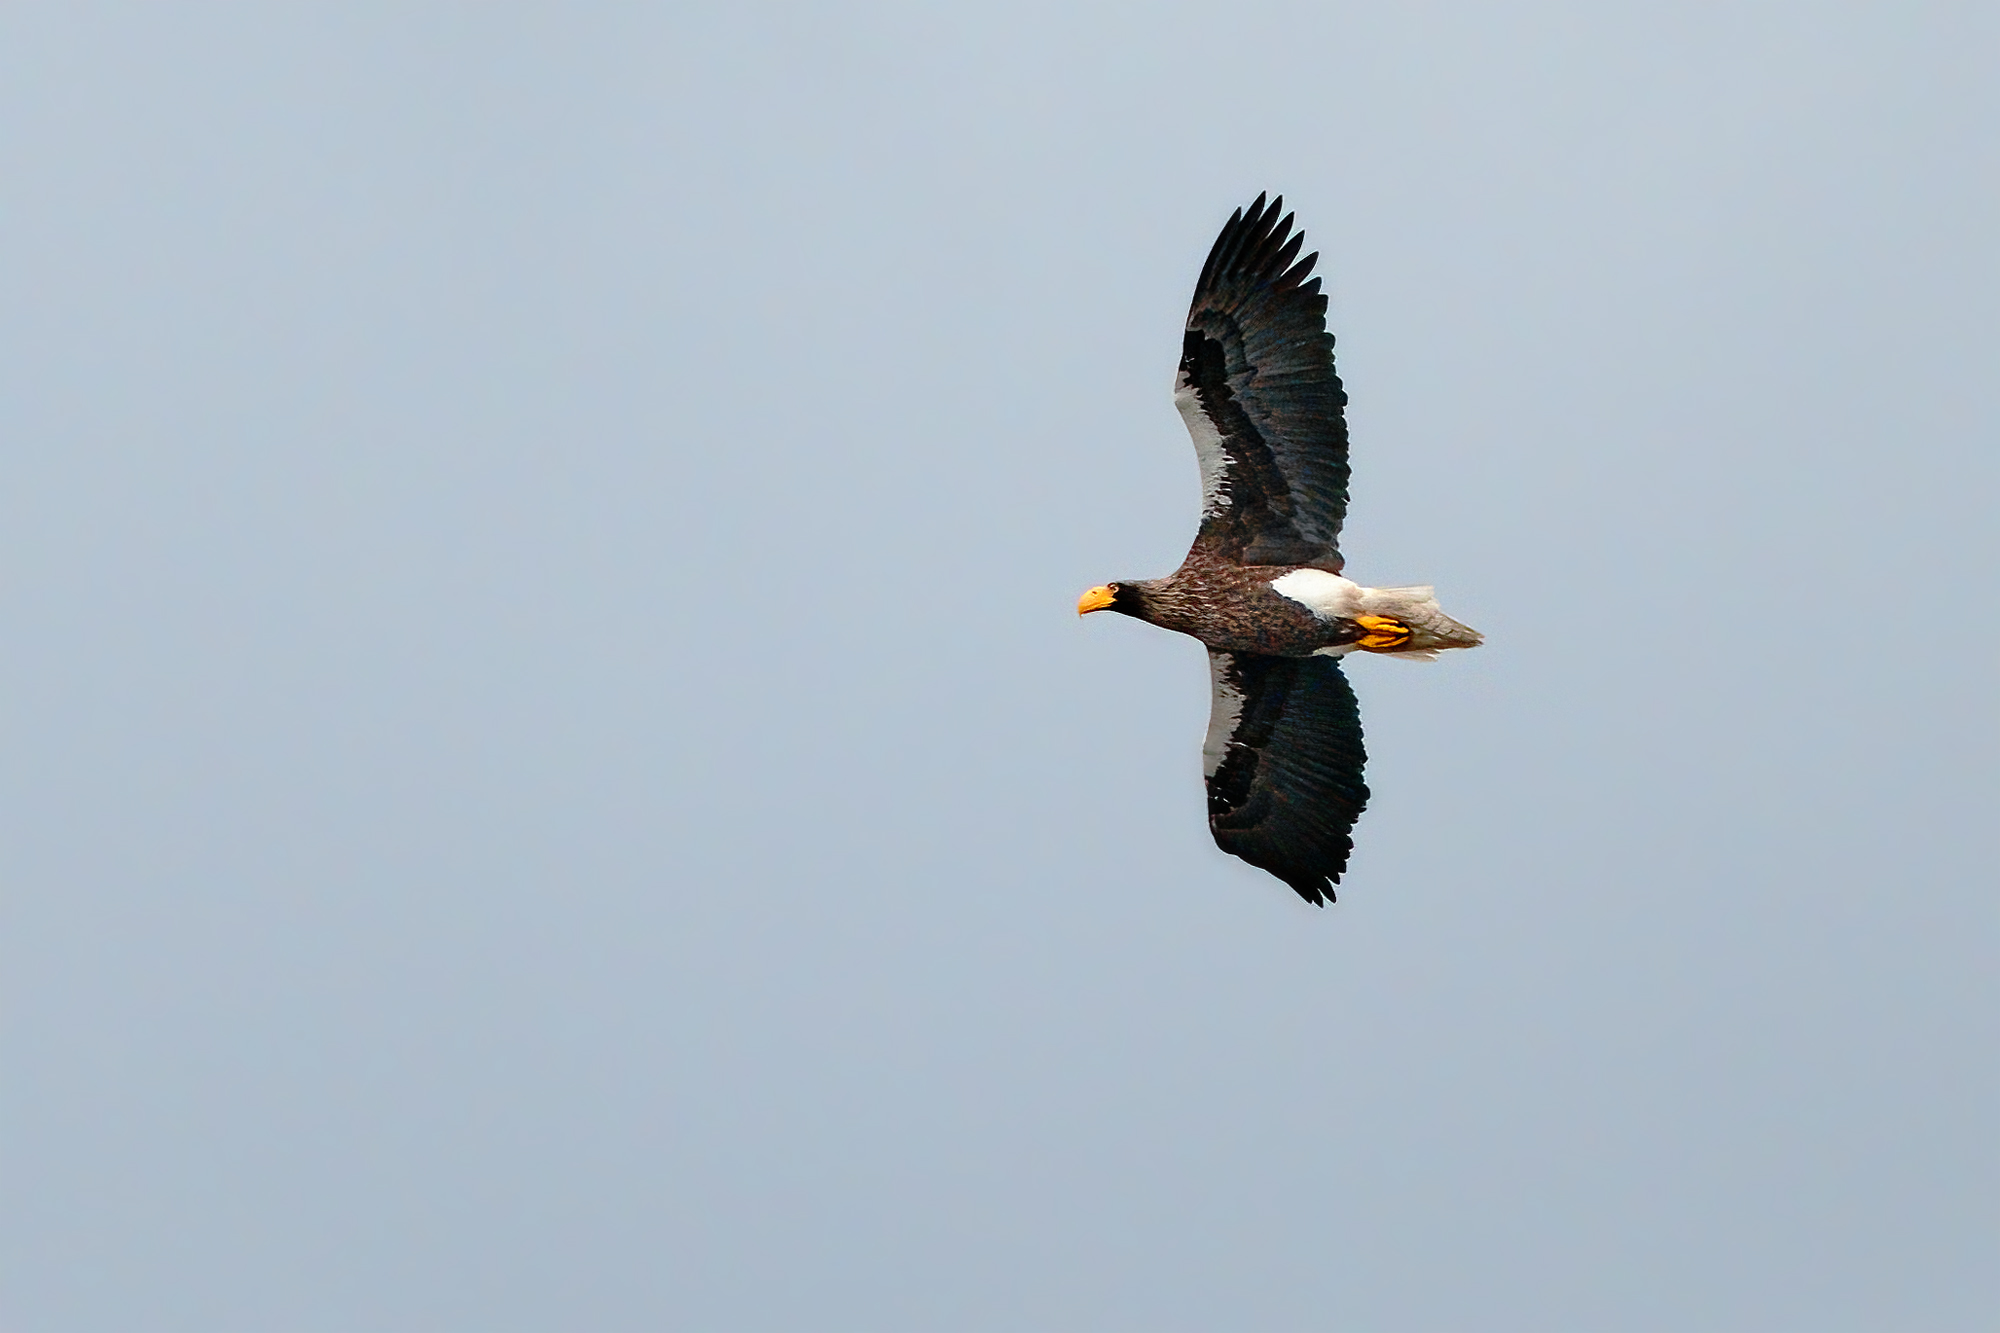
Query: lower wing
[[1283, 760]]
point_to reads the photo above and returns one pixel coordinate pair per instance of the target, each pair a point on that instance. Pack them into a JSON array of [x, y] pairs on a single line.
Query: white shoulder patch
[[1225, 711], [1328, 596], [1208, 450]]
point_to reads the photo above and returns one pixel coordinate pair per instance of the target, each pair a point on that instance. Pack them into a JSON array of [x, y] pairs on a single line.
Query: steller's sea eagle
[[1262, 585]]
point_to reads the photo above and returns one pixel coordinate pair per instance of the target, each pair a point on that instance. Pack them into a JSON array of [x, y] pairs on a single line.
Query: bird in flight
[[1262, 584]]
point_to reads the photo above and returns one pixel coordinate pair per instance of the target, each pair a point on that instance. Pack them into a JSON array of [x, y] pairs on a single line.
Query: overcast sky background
[[552, 780]]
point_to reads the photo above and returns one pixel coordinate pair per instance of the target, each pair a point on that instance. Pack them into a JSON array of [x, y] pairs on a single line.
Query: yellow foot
[[1383, 633]]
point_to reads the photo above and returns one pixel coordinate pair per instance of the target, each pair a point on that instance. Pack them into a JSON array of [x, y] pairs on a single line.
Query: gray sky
[[553, 782]]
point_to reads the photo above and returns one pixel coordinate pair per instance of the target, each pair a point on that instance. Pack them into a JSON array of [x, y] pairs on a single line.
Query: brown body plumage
[[1232, 608]]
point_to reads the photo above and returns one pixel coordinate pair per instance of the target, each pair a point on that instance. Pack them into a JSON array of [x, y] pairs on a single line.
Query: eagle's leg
[[1382, 633]]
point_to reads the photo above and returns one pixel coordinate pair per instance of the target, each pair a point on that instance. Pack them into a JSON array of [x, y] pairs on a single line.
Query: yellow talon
[[1383, 633]]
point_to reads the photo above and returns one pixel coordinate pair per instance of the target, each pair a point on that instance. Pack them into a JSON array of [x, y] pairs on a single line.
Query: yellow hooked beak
[[1095, 600]]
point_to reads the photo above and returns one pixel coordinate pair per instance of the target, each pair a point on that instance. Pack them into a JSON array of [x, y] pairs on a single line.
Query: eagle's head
[[1120, 597]]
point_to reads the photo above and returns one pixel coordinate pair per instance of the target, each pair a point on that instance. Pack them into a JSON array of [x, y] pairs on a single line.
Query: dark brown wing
[[1283, 760], [1258, 392]]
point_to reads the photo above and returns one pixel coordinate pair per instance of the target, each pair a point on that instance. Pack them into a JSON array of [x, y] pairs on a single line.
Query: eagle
[[1262, 585]]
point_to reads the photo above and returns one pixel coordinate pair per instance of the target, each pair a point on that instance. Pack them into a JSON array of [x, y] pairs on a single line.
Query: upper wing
[[1283, 759], [1257, 390]]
